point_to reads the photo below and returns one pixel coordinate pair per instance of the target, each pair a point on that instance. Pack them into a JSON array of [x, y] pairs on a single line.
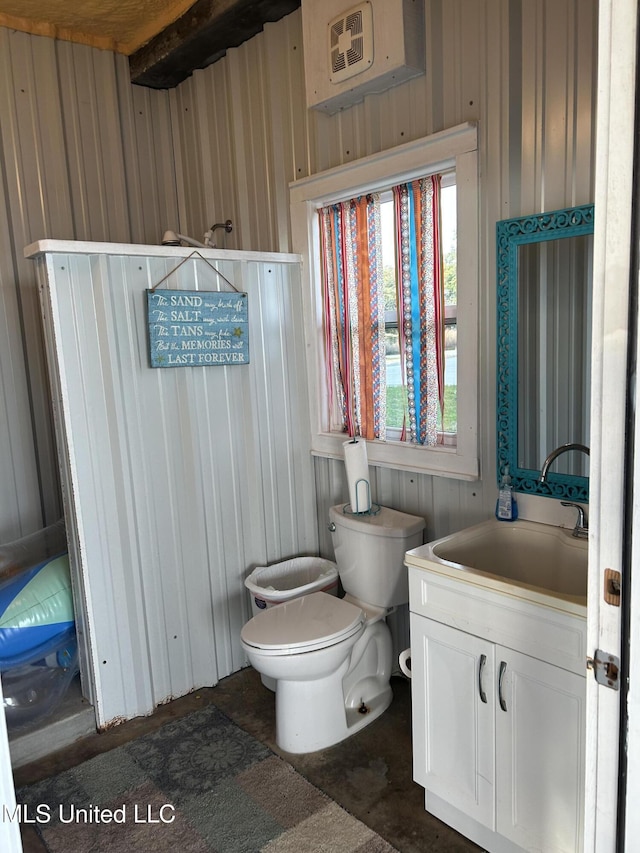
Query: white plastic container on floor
[[271, 585]]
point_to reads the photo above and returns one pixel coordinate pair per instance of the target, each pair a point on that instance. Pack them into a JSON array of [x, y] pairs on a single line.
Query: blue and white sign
[[197, 328]]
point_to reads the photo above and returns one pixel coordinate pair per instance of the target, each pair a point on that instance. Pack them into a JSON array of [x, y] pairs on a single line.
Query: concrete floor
[[73, 718], [369, 774]]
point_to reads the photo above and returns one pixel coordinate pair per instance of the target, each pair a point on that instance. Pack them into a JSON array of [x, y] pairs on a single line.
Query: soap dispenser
[[506, 505]]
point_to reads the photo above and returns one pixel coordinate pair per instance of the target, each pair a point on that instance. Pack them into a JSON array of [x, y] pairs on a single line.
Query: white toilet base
[[313, 715]]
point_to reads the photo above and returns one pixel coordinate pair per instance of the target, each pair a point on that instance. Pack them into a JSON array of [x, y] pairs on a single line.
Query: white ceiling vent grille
[[351, 42]]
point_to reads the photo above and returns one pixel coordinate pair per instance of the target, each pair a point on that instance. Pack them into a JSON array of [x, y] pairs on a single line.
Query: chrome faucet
[[581, 530], [564, 448]]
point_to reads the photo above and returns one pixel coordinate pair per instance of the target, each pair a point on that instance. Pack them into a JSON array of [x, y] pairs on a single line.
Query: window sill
[[440, 461]]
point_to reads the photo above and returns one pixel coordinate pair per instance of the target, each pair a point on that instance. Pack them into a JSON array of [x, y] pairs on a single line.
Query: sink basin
[[524, 558]]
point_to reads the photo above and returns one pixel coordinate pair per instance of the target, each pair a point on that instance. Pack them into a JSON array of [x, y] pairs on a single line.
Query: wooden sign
[[197, 328]]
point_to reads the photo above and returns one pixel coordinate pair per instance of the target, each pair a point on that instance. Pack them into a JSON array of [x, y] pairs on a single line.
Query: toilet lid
[[303, 624]]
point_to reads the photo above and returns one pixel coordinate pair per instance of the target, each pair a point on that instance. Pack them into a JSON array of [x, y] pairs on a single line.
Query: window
[[384, 312], [452, 155]]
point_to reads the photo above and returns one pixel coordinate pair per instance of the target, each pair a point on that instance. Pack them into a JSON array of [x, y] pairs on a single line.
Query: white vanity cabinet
[[498, 714], [453, 729]]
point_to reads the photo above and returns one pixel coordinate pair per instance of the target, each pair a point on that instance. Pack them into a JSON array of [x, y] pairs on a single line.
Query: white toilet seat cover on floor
[[303, 624]]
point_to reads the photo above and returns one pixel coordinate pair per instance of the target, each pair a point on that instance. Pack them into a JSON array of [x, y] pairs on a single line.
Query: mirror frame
[[510, 235]]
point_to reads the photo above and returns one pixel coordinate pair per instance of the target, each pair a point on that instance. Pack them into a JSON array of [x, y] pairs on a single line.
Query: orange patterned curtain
[[354, 316]]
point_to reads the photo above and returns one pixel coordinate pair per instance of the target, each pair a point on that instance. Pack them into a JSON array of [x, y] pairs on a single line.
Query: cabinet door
[[540, 737], [453, 695]]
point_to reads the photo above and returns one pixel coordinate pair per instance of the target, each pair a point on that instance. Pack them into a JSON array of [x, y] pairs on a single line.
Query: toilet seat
[[304, 624]]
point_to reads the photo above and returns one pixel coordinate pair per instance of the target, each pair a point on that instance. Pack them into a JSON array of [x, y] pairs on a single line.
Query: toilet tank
[[369, 552]]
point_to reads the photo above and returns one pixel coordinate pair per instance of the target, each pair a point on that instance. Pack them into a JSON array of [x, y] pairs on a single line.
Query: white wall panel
[[149, 161], [34, 196], [525, 71], [81, 156], [20, 510], [178, 481], [241, 136]]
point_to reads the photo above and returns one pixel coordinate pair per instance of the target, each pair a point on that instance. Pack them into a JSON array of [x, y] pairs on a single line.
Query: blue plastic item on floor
[[36, 607], [33, 690], [38, 648]]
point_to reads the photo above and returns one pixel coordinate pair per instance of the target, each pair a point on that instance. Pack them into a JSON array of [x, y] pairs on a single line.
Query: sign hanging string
[[184, 260]]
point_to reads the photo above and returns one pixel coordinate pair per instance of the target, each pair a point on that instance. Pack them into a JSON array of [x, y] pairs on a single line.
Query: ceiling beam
[[200, 37]]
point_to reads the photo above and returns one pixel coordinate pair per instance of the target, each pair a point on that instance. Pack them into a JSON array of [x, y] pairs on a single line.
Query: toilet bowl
[[330, 658]]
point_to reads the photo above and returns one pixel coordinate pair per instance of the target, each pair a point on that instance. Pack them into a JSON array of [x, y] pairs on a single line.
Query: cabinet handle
[[503, 669], [483, 695]]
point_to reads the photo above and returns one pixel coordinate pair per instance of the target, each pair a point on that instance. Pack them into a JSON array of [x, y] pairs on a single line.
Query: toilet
[[330, 658]]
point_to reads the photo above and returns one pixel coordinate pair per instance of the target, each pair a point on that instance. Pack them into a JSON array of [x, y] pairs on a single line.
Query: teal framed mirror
[[544, 296]]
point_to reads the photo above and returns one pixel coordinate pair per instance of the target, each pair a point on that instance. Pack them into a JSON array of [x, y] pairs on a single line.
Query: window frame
[[455, 148]]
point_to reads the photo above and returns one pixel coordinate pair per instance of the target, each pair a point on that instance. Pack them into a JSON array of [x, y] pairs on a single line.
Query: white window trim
[[454, 148]]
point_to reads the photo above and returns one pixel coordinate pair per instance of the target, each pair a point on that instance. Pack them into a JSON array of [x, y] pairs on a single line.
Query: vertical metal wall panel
[[20, 509], [212, 205], [190, 153], [73, 165], [555, 51], [204, 155], [180, 480], [287, 128], [87, 109], [241, 137], [148, 160], [524, 70], [250, 120], [33, 160]]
